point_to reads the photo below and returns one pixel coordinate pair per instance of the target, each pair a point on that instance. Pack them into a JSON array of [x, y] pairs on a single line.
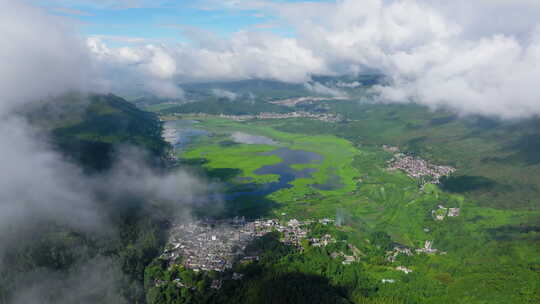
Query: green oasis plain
[[492, 251], [488, 259]]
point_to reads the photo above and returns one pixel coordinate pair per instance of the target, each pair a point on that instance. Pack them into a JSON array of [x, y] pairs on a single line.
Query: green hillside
[[497, 161], [87, 130]]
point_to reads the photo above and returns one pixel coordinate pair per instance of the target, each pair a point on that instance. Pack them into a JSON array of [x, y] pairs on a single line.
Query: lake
[[286, 173], [182, 132], [250, 139]]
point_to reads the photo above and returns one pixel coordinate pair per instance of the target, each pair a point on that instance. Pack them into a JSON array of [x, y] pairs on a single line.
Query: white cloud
[[249, 55], [41, 57], [473, 56], [321, 89], [161, 64], [148, 67], [34, 43], [354, 84], [120, 39], [224, 94], [250, 139], [36, 183], [245, 55]]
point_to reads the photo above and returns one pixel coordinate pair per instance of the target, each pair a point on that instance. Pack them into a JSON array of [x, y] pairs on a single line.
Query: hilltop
[[87, 127]]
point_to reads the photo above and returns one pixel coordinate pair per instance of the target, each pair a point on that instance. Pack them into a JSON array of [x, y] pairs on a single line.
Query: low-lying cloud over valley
[[437, 53]]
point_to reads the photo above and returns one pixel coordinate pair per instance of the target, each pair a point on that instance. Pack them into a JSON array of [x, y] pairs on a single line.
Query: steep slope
[[86, 129], [51, 261]]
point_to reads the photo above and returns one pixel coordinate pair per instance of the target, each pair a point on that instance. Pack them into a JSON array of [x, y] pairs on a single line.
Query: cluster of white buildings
[[392, 255], [297, 114], [326, 117], [217, 245], [442, 212], [347, 259], [427, 248], [291, 102], [404, 269], [399, 268], [418, 168]]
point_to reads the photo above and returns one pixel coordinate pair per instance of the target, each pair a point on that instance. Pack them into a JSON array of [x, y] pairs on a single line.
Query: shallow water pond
[[250, 139], [182, 132]]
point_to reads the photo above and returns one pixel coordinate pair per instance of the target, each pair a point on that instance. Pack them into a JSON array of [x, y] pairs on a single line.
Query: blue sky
[[162, 21]]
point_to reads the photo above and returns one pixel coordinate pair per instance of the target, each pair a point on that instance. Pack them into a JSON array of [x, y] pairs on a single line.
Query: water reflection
[[181, 133], [245, 138], [286, 173]]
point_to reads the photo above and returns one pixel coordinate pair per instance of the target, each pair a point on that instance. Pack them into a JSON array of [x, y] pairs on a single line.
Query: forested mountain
[[86, 128], [52, 262]]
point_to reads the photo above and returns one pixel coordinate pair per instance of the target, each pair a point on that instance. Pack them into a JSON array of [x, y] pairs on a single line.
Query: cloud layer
[[472, 56], [36, 182], [39, 189], [43, 47]]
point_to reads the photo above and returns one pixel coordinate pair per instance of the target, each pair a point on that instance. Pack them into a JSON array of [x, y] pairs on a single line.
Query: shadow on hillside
[[520, 139], [296, 288], [265, 284], [467, 183], [514, 232], [439, 121], [526, 149]]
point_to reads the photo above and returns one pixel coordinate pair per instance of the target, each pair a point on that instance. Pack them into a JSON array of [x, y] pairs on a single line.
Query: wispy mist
[[90, 282], [42, 58], [476, 57], [321, 89], [220, 93]]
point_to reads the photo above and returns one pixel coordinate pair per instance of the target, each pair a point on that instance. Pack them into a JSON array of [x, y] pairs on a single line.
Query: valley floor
[[415, 242]]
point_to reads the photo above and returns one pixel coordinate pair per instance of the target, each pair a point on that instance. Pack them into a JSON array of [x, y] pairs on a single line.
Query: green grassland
[[338, 155], [242, 157], [498, 161], [492, 252]]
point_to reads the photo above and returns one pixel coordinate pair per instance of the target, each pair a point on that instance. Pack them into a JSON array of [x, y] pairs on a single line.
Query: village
[[216, 245], [416, 167], [391, 256], [326, 117], [442, 212], [291, 102]]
